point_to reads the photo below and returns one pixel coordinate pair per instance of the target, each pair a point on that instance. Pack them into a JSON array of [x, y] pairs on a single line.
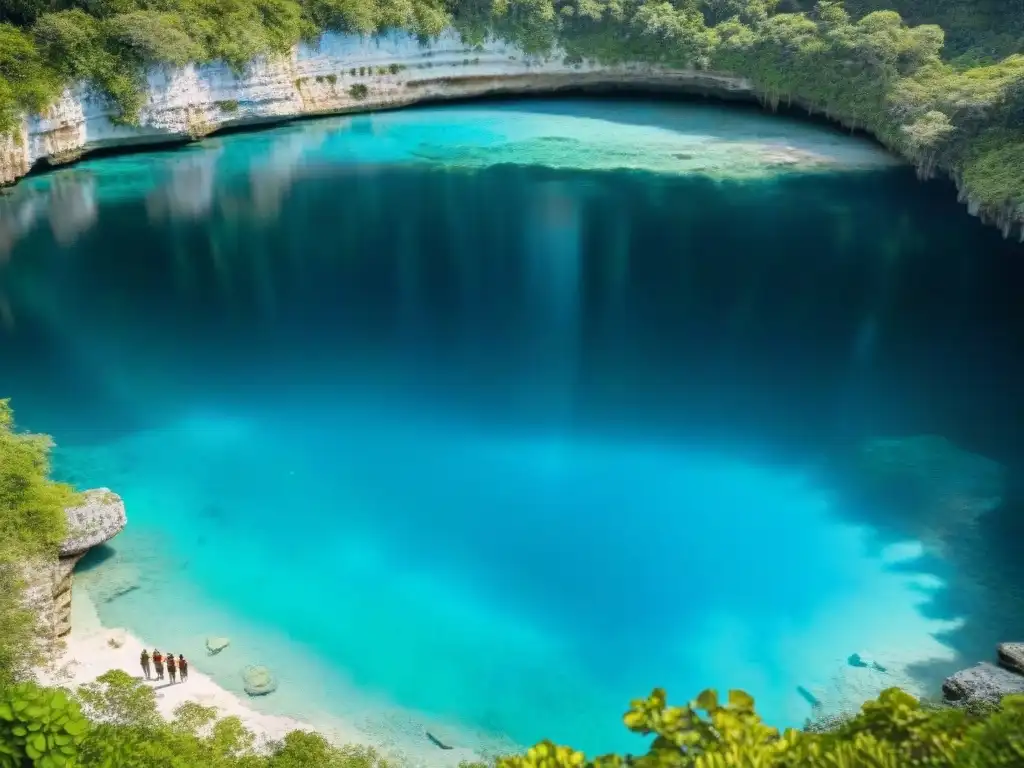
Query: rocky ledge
[[987, 683], [337, 74], [99, 518]]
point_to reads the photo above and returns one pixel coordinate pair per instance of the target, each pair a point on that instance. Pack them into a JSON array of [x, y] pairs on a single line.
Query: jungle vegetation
[[114, 722], [943, 84]]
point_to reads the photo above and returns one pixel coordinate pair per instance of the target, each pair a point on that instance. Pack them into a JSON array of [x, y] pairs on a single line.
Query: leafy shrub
[[228, 106], [890, 732], [358, 91], [40, 726]]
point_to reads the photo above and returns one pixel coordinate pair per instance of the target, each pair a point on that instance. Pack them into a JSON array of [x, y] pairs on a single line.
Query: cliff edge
[[98, 519], [340, 73]]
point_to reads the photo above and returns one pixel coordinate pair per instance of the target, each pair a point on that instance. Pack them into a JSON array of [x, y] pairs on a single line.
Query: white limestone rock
[[188, 102], [98, 519]]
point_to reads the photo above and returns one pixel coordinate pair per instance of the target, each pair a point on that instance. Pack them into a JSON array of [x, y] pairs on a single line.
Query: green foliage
[[32, 525], [114, 722], [358, 91], [41, 726], [890, 732]]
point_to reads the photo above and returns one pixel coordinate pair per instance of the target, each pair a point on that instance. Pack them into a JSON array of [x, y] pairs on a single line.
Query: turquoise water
[[487, 419]]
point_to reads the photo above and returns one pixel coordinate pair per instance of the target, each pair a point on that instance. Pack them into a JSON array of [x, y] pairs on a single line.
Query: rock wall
[[98, 519], [189, 102]]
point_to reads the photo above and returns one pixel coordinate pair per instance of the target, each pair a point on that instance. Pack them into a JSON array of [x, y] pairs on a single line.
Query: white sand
[[92, 649]]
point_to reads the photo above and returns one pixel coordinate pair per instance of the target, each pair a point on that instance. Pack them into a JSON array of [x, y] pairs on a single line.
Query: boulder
[[982, 684], [259, 681], [1011, 657], [99, 518], [217, 644]]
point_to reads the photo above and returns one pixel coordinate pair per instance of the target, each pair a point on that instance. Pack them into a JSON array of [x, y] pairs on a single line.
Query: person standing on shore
[[171, 668], [158, 663], [182, 668], [144, 661]]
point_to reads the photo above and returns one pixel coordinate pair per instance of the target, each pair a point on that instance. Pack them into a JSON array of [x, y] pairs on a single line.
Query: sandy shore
[[92, 649]]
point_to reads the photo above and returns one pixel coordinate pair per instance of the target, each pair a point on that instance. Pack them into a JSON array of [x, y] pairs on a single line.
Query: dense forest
[[944, 87]]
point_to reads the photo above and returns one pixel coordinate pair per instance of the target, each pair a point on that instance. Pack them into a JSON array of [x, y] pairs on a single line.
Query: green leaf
[[707, 700], [741, 700], [76, 727], [6, 713]]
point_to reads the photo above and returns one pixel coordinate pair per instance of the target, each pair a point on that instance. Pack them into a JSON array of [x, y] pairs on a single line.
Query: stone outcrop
[[1011, 657], [983, 683], [987, 683], [98, 519], [340, 73]]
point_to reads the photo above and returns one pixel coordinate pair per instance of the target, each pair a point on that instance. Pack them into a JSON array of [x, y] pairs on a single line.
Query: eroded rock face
[[983, 683], [98, 519], [189, 102]]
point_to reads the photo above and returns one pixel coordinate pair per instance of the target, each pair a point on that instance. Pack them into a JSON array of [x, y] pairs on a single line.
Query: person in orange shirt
[[171, 667], [158, 663], [182, 668]]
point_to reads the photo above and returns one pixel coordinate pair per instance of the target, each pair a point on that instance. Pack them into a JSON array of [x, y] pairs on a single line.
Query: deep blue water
[[507, 445]]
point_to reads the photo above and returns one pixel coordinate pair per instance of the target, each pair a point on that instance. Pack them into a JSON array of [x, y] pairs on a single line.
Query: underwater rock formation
[[259, 681], [941, 488], [215, 645]]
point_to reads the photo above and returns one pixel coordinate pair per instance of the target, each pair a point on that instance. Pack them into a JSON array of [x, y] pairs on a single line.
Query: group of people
[[175, 667]]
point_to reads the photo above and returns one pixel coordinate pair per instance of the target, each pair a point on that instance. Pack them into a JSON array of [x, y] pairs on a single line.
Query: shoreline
[[93, 649]]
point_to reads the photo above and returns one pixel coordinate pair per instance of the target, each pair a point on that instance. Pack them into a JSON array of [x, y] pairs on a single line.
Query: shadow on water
[[96, 557]]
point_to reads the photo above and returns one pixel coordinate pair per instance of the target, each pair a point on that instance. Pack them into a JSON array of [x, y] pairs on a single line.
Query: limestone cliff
[[99, 518], [341, 73]]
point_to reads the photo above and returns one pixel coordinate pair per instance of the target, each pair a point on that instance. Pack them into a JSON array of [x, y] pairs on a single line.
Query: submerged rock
[[217, 644], [98, 519], [1011, 657], [983, 683], [861, 661], [259, 681]]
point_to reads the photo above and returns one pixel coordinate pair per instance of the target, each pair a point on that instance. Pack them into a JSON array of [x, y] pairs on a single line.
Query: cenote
[[486, 419]]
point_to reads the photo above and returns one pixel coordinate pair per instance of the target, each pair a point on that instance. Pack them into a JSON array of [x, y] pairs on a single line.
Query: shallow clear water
[[489, 418]]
